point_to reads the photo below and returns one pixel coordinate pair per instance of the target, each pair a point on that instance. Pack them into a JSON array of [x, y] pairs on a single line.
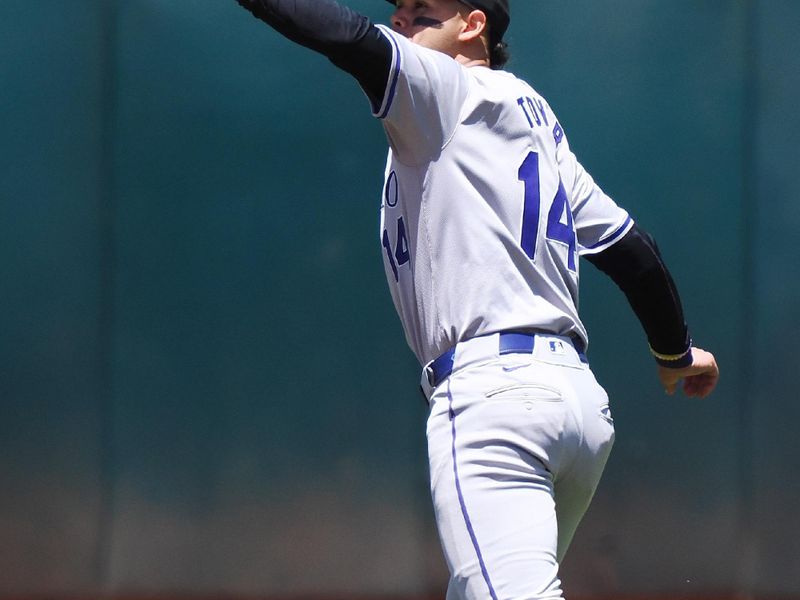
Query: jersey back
[[485, 209]]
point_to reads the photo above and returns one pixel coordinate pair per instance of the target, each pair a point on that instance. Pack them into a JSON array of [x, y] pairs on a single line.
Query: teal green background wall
[[203, 385]]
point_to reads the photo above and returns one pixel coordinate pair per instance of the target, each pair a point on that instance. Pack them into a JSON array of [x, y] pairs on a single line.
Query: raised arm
[[634, 263], [347, 38]]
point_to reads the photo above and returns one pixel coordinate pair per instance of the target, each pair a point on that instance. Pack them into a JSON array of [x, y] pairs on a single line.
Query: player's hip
[[516, 348], [545, 404]]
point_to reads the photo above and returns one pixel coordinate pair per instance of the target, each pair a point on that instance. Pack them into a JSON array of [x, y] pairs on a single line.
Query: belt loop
[[426, 382]]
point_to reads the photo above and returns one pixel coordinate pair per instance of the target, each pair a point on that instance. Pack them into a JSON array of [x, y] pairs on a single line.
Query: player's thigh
[[497, 535], [575, 490], [492, 493]]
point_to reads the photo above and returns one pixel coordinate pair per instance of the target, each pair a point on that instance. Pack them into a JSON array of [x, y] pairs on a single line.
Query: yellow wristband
[[669, 357]]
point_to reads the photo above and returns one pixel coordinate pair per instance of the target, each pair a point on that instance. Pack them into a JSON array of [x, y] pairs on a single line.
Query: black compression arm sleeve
[[634, 263], [347, 38]]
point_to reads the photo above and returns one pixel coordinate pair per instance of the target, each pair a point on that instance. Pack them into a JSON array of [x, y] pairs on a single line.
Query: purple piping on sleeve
[[613, 237], [394, 78]]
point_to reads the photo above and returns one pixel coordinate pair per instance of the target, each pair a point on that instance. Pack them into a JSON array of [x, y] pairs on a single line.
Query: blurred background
[[204, 389]]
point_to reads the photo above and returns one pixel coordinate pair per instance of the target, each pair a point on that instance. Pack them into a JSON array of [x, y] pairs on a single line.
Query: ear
[[474, 26]]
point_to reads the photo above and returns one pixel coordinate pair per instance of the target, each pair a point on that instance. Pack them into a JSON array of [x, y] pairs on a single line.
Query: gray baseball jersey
[[485, 209]]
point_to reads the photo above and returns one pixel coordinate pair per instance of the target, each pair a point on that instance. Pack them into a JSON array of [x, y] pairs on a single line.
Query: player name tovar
[[537, 116]]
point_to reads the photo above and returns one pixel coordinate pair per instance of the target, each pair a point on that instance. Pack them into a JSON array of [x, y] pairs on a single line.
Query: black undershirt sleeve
[[634, 263], [347, 38]]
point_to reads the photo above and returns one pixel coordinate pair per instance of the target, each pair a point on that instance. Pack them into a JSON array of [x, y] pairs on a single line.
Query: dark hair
[[499, 55]]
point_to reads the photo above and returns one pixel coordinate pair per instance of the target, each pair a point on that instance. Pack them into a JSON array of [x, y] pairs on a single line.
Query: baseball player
[[485, 212]]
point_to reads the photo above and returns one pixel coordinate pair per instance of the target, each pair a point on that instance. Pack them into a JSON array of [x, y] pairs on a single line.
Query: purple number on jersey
[[401, 254], [556, 230]]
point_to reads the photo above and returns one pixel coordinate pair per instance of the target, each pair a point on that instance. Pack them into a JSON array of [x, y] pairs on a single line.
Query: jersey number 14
[[556, 230]]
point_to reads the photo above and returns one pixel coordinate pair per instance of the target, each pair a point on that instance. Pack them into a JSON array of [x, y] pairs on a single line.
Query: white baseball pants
[[517, 444]]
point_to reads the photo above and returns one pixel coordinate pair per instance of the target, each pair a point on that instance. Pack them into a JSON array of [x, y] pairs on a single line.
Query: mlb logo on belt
[[556, 347]]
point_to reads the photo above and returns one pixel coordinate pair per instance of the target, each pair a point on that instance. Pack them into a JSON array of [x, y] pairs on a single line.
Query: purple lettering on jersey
[[521, 102], [540, 103], [533, 109], [534, 112], [390, 193], [558, 133]]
